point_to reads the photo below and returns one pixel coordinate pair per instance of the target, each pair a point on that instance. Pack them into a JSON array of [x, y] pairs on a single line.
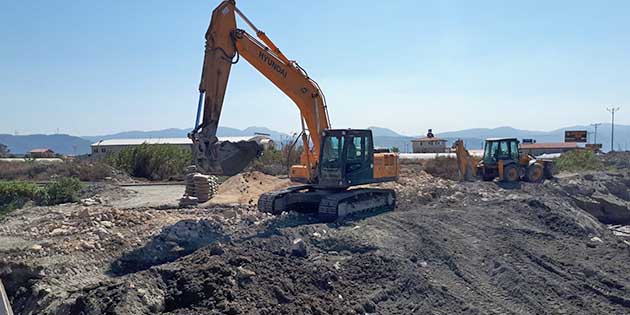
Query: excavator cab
[[346, 158]]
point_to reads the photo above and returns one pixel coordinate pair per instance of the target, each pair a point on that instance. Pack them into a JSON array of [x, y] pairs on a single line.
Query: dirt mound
[[450, 248], [606, 196], [245, 188], [619, 160]]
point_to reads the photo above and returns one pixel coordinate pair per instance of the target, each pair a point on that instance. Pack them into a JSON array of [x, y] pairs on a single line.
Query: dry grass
[[85, 170]]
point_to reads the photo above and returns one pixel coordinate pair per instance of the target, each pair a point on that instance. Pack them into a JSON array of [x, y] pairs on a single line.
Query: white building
[[104, 147]]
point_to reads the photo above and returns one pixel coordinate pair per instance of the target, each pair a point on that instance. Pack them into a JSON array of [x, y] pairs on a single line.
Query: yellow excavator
[[502, 159], [329, 170]]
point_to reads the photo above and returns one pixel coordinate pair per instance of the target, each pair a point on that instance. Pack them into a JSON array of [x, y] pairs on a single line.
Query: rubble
[[449, 248], [298, 248]]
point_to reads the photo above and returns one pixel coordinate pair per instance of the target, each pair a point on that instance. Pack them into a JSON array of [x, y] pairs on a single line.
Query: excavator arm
[[225, 45]]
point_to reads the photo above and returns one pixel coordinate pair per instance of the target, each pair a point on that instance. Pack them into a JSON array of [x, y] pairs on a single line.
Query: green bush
[[152, 161], [578, 160], [62, 191], [14, 195]]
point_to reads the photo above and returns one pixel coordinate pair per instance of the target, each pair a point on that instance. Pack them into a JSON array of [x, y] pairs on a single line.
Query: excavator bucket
[[224, 157]]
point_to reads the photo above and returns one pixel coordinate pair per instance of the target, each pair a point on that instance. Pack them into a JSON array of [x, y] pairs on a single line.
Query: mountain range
[[383, 137]]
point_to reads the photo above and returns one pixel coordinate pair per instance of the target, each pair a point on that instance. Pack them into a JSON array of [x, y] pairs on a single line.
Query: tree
[[4, 150], [395, 149]]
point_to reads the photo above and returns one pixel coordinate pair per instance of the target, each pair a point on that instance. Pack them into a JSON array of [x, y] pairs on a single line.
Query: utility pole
[[612, 110], [595, 125]]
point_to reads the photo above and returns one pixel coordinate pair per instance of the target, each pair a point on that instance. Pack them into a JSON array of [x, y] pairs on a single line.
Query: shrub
[[578, 160], [14, 195], [152, 161], [62, 191], [85, 170]]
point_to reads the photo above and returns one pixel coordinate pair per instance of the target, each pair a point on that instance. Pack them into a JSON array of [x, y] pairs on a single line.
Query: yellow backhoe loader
[[338, 158], [502, 159]]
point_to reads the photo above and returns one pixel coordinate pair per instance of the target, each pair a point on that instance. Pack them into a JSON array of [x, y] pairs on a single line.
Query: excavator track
[[356, 202], [266, 202]]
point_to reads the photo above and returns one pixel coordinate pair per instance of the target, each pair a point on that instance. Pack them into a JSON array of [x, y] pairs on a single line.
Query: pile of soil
[[245, 188], [618, 160]]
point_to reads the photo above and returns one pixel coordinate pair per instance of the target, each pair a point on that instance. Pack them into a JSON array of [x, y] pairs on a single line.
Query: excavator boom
[[225, 45]]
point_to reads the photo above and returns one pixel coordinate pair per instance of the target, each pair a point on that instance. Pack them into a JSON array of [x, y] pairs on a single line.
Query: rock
[[90, 202], [102, 232], [230, 214], [369, 306], [36, 247], [216, 249], [282, 296], [107, 224], [245, 274], [596, 239], [58, 232], [299, 249], [188, 201], [87, 245]]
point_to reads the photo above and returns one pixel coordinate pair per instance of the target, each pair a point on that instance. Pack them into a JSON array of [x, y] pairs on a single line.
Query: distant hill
[[182, 133], [383, 137], [477, 135], [384, 132], [60, 143]]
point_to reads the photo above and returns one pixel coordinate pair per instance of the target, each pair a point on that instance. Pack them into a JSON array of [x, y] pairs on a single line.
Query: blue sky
[[95, 67]]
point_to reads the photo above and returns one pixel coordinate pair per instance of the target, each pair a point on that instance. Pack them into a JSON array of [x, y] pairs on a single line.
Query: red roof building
[[42, 153]]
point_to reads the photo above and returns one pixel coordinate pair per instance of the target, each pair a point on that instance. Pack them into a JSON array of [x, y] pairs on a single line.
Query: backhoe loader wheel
[[511, 173], [535, 174], [485, 176]]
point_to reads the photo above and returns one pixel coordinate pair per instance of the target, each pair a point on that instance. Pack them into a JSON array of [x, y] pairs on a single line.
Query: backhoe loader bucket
[[224, 157]]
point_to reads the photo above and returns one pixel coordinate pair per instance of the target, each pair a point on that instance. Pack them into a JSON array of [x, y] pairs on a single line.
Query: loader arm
[[225, 45]]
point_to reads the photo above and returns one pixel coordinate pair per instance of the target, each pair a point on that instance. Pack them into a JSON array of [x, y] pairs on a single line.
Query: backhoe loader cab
[[497, 149]]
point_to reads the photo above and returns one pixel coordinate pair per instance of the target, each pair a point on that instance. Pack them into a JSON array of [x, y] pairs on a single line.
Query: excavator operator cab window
[[331, 150], [356, 149]]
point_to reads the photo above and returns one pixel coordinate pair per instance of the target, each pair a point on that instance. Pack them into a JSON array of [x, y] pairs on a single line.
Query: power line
[[612, 110], [595, 125]]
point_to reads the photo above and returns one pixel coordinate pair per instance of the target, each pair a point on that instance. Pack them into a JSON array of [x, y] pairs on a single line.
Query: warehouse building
[[102, 148], [537, 149]]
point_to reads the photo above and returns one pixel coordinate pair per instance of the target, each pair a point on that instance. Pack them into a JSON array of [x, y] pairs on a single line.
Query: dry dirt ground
[[449, 248]]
